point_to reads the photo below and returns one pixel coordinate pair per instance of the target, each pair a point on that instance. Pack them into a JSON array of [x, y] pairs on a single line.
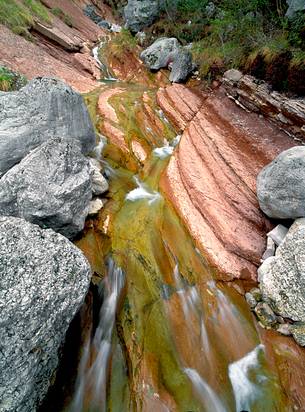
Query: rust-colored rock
[[211, 179]]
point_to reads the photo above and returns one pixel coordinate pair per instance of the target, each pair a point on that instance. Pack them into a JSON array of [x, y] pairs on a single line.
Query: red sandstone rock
[[211, 179]]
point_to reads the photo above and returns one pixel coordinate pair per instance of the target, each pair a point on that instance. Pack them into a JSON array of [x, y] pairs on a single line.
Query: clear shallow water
[[180, 341]]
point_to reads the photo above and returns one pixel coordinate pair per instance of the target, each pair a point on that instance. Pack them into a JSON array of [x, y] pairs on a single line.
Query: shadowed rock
[[44, 108], [43, 281], [51, 186], [139, 14], [280, 185], [182, 66]]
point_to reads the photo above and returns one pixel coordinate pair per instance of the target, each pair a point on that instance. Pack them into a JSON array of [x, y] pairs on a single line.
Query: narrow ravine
[[170, 336]]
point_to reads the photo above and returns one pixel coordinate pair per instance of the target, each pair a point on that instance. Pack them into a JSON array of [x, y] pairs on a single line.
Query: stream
[[169, 337]]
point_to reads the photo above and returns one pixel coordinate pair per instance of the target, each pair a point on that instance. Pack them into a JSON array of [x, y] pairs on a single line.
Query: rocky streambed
[[171, 253]]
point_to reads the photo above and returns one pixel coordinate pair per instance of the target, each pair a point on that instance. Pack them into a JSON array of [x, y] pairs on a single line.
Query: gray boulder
[[282, 277], [167, 52], [43, 281], [182, 66], [51, 187], [42, 109], [280, 185], [294, 7], [139, 14], [159, 54]]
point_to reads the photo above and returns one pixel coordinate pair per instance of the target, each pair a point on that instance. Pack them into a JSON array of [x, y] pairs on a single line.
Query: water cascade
[[93, 369]]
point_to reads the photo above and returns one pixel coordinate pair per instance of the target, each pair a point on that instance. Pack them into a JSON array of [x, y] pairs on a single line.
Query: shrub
[[10, 80]]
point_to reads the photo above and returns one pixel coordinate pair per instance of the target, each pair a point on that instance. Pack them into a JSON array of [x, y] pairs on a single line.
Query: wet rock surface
[[44, 280], [44, 108], [280, 185], [220, 209], [51, 187]]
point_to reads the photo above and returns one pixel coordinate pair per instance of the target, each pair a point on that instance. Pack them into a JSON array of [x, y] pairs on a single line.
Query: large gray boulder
[[294, 7], [280, 185], [139, 14], [182, 66], [51, 186], [282, 277], [159, 54], [44, 108], [43, 281]]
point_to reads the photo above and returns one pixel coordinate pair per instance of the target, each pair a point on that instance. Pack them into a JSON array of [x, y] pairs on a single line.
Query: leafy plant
[[10, 80]]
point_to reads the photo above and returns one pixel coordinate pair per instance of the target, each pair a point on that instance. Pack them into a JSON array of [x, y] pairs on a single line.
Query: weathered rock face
[[159, 54], [282, 277], [220, 208], [99, 183], [44, 279], [44, 108], [51, 186], [257, 96], [139, 14], [280, 185], [294, 6], [182, 66]]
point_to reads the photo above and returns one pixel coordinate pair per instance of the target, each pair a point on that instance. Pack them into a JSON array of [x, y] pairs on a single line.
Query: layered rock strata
[[211, 178], [257, 96]]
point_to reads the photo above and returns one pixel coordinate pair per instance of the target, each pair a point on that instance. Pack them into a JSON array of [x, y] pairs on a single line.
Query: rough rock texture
[[287, 113], [294, 6], [51, 186], [220, 208], [47, 55], [44, 279], [42, 109], [182, 66], [99, 183], [282, 277], [280, 185], [139, 14], [160, 53]]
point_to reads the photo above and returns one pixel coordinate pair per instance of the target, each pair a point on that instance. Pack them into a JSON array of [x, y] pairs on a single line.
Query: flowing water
[[169, 337]]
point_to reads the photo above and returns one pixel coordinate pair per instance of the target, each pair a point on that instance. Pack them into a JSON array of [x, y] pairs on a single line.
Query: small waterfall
[[246, 379], [204, 392], [142, 192], [91, 381], [104, 68], [98, 150], [163, 152]]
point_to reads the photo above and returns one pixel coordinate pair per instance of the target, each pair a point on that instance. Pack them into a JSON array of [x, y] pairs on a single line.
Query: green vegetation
[[253, 35], [10, 80], [58, 12], [19, 16], [123, 42]]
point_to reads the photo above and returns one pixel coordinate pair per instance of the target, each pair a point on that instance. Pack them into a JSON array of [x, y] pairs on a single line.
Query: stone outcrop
[[182, 66], [44, 280], [280, 185], [98, 181], [211, 177], [139, 14], [158, 54], [282, 277], [167, 53], [294, 7], [44, 108], [51, 186], [257, 96]]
